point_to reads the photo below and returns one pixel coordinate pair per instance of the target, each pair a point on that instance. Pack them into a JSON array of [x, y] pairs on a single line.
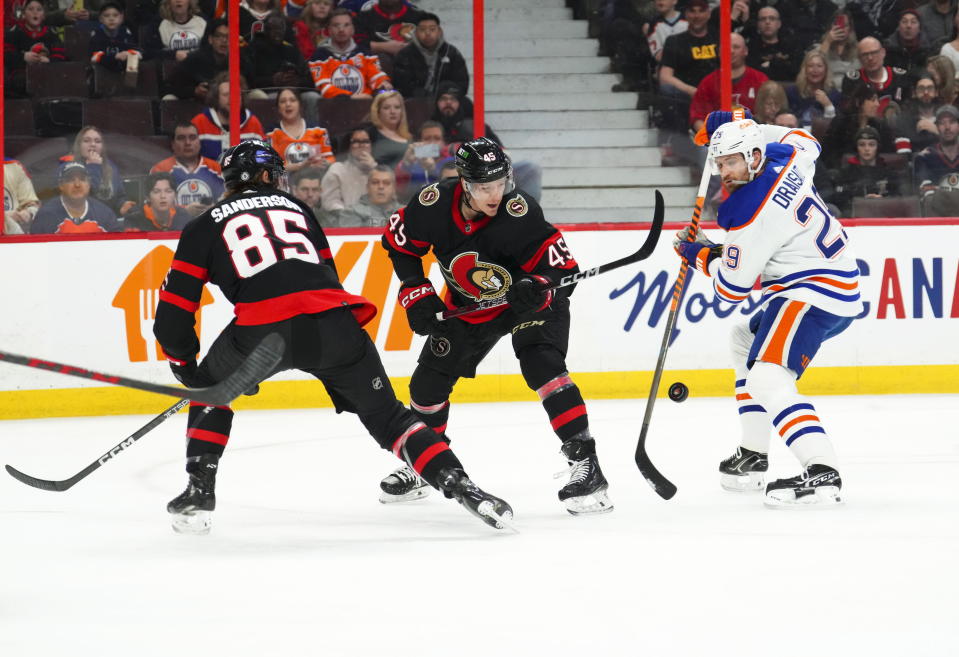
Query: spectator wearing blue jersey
[[74, 211]]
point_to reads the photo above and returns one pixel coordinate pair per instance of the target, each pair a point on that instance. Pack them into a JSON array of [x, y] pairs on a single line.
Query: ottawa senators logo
[[430, 195], [477, 280], [517, 206]]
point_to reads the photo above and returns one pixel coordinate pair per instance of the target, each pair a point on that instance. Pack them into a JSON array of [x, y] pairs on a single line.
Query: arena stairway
[[548, 98]]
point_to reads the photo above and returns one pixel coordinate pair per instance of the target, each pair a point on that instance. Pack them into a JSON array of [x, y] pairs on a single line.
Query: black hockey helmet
[[482, 160], [242, 163]]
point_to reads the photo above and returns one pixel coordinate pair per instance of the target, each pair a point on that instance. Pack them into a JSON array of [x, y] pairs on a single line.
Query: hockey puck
[[678, 392]]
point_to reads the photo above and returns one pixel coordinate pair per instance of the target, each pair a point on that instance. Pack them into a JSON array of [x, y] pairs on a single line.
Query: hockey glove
[[421, 304], [699, 252], [187, 373], [530, 294], [713, 121]]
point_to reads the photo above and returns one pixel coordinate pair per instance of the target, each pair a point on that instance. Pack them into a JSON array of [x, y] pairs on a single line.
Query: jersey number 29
[[811, 208], [252, 244]]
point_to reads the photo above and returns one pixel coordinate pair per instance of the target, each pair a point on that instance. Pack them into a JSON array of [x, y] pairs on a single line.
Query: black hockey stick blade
[[646, 250], [257, 366], [67, 484], [660, 484]]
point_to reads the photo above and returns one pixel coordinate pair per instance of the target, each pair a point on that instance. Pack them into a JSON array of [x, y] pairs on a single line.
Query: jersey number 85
[[252, 243]]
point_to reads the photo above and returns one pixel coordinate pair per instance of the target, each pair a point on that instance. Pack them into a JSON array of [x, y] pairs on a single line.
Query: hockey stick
[[660, 484], [66, 484], [644, 252], [257, 366]]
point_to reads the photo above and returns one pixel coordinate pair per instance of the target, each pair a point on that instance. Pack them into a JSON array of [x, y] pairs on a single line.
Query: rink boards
[[89, 303]]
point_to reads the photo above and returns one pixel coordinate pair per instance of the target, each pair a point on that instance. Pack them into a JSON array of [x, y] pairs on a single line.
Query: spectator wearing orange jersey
[[213, 123], [298, 143], [342, 68], [74, 211]]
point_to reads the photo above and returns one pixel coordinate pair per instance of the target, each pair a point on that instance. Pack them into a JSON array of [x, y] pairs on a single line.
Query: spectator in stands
[[391, 132], [387, 26], [61, 13], [112, 44], [299, 143], [769, 51], [918, 120], [178, 33], [448, 170], [876, 18], [345, 180], [622, 36], [770, 101], [89, 150], [74, 210], [270, 61], [253, 15], [840, 47], [667, 23], [814, 94], [312, 27], [806, 19], [427, 61], [213, 123], [865, 174], [890, 83], [786, 118], [30, 41], [908, 48], [160, 212], [746, 82], [950, 49], [937, 167], [943, 71], [937, 18], [20, 202], [375, 206], [196, 179], [192, 76], [341, 68], [423, 160], [305, 185], [863, 109], [688, 57]]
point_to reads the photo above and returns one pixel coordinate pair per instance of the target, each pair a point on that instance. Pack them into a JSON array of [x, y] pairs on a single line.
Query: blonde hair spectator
[[770, 99]]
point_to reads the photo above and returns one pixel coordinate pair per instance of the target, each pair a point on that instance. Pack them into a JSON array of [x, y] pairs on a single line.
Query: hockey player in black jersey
[[269, 256], [491, 241]]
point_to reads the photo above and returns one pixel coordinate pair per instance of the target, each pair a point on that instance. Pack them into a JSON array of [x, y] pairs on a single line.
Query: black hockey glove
[[421, 304], [186, 372], [530, 294]]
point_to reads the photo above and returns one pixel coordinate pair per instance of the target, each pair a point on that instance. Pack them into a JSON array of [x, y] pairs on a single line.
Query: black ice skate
[[744, 471], [190, 511], [403, 485], [818, 484], [491, 510], [585, 493]]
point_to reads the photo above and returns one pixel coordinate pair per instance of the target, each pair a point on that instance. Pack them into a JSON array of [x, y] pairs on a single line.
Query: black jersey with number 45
[[479, 259], [265, 250]]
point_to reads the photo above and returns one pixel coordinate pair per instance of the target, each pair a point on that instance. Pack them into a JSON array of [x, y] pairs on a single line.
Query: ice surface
[[303, 560]]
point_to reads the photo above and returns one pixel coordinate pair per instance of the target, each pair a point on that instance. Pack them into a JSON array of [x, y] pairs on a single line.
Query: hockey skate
[[585, 492], [403, 485], [191, 511], [817, 485], [744, 471], [493, 511]]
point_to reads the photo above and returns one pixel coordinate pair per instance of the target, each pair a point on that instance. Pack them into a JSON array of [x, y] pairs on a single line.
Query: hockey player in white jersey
[[779, 230]]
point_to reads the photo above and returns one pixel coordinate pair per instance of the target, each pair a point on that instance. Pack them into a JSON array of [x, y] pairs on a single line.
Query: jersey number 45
[[253, 245]]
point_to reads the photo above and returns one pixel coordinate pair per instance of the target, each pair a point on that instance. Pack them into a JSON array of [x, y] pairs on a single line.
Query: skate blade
[[589, 505], [497, 520], [195, 523], [825, 497], [751, 482], [412, 496]]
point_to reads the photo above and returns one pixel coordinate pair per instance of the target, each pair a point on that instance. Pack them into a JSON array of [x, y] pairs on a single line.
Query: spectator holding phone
[[423, 161], [839, 46]]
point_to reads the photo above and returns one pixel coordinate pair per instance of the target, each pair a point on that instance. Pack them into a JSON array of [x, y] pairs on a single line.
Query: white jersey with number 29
[[779, 230]]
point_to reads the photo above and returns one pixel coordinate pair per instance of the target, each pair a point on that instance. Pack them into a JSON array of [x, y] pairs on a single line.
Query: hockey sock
[[208, 431], [564, 405], [435, 416], [793, 415], [425, 451], [753, 419]]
